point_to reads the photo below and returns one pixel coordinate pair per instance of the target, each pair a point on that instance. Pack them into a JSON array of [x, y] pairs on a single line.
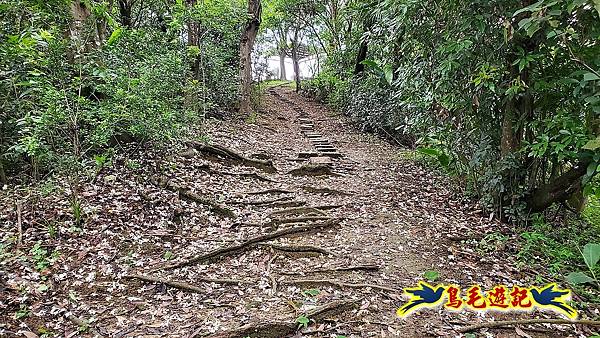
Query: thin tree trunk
[[508, 141], [296, 61], [282, 55], [246, 45]]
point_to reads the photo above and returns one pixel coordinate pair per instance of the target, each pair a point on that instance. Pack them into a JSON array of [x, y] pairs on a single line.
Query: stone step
[[321, 160], [331, 154], [324, 147], [308, 154]]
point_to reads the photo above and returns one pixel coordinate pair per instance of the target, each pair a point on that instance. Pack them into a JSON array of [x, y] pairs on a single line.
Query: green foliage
[[591, 213], [591, 256], [437, 71], [385, 73], [555, 250], [431, 275], [492, 242], [67, 98], [311, 292], [76, 209], [327, 88], [23, 312], [52, 230], [168, 255], [41, 257], [443, 159], [274, 83], [302, 321]]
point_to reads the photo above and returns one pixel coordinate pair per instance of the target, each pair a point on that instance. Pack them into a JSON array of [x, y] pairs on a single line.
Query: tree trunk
[[281, 34], [558, 190], [125, 12], [246, 45], [295, 60], [79, 13], [508, 142], [3, 178], [518, 106], [193, 39], [362, 56], [362, 51], [282, 55]]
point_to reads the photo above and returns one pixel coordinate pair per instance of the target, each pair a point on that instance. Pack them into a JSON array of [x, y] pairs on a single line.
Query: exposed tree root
[[290, 204], [269, 191], [338, 269], [186, 194], [340, 284], [265, 202], [302, 248], [295, 211], [249, 175], [249, 243], [329, 207], [255, 176], [277, 222], [287, 328], [267, 166], [187, 286], [191, 196], [312, 170], [316, 190], [501, 323]]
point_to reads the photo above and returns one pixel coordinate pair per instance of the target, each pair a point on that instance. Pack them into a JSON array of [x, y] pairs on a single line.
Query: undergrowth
[[553, 249]]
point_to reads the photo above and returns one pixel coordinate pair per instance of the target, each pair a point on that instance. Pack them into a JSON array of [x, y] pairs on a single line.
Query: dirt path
[[377, 222]]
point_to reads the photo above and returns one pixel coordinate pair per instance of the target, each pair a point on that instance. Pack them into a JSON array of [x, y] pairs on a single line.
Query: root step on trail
[[249, 243]]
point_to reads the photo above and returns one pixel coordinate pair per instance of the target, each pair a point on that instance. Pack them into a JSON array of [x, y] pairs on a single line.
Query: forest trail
[[344, 241]]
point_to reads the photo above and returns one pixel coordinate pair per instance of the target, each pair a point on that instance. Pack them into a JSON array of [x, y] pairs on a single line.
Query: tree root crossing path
[[294, 225]]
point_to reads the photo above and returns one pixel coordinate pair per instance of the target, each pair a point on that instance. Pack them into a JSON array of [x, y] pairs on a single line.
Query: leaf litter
[[395, 214]]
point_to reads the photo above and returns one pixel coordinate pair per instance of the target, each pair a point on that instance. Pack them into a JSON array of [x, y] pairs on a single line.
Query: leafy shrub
[[326, 88], [510, 106], [67, 97]]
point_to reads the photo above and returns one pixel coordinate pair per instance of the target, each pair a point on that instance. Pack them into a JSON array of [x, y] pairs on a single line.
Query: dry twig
[[187, 286]]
